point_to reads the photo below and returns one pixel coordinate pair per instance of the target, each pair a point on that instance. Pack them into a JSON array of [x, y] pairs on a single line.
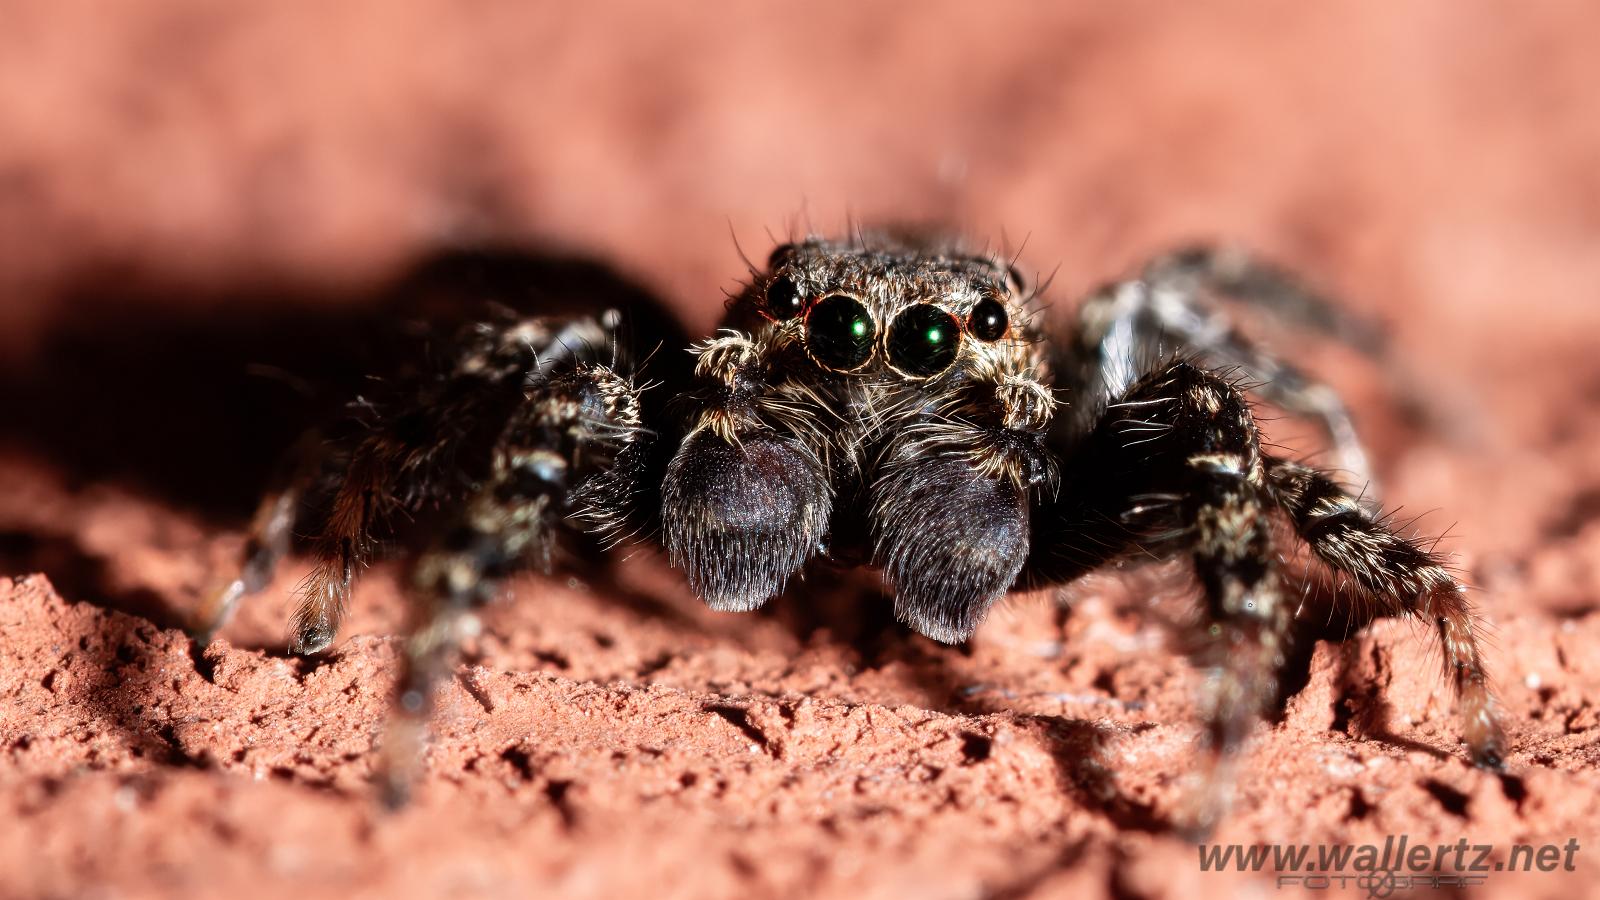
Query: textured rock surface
[[196, 206]]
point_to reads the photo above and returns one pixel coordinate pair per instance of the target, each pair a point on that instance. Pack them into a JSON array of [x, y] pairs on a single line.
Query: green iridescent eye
[[840, 332], [924, 340]]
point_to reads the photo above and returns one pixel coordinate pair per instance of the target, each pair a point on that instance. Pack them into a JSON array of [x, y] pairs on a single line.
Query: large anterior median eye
[[924, 340], [840, 332]]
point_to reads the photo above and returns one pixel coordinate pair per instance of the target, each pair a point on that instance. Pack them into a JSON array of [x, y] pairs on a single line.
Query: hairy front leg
[[1174, 467], [1402, 579], [572, 457]]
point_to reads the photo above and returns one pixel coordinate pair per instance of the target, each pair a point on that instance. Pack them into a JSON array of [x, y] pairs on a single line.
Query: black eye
[[1015, 281], [924, 340], [988, 321], [783, 298], [840, 332], [779, 255]]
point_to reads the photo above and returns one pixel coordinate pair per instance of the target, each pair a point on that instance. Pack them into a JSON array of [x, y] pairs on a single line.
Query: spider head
[[885, 307], [901, 378]]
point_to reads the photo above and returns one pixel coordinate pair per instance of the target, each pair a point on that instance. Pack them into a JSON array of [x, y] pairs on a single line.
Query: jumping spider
[[882, 401]]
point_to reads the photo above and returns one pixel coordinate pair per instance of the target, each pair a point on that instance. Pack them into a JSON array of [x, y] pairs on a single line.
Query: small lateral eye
[[1015, 281], [924, 340], [783, 298], [779, 255], [988, 321], [840, 333]]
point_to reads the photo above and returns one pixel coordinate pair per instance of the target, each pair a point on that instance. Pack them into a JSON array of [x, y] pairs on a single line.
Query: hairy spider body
[[866, 395], [882, 401]]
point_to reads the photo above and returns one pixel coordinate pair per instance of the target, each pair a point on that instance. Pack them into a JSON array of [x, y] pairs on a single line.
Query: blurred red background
[[193, 193], [1438, 154]]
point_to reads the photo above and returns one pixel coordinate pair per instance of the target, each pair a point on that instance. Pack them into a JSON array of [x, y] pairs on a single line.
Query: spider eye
[[779, 255], [840, 332], [988, 321], [1015, 281], [924, 340], [783, 298]]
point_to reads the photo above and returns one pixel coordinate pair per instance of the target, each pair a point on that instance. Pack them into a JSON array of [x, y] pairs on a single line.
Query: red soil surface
[[198, 205]]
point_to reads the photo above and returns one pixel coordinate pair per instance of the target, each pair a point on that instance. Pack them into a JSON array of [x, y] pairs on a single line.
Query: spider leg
[[407, 455], [271, 532], [1173, 308], [571, 457], [1175, 466], [345, 543], [1404, 580], [388, 468], [1239, 275]]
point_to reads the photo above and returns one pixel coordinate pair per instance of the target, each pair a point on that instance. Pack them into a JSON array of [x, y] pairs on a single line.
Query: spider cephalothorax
[[882, 401], [900, 380]]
